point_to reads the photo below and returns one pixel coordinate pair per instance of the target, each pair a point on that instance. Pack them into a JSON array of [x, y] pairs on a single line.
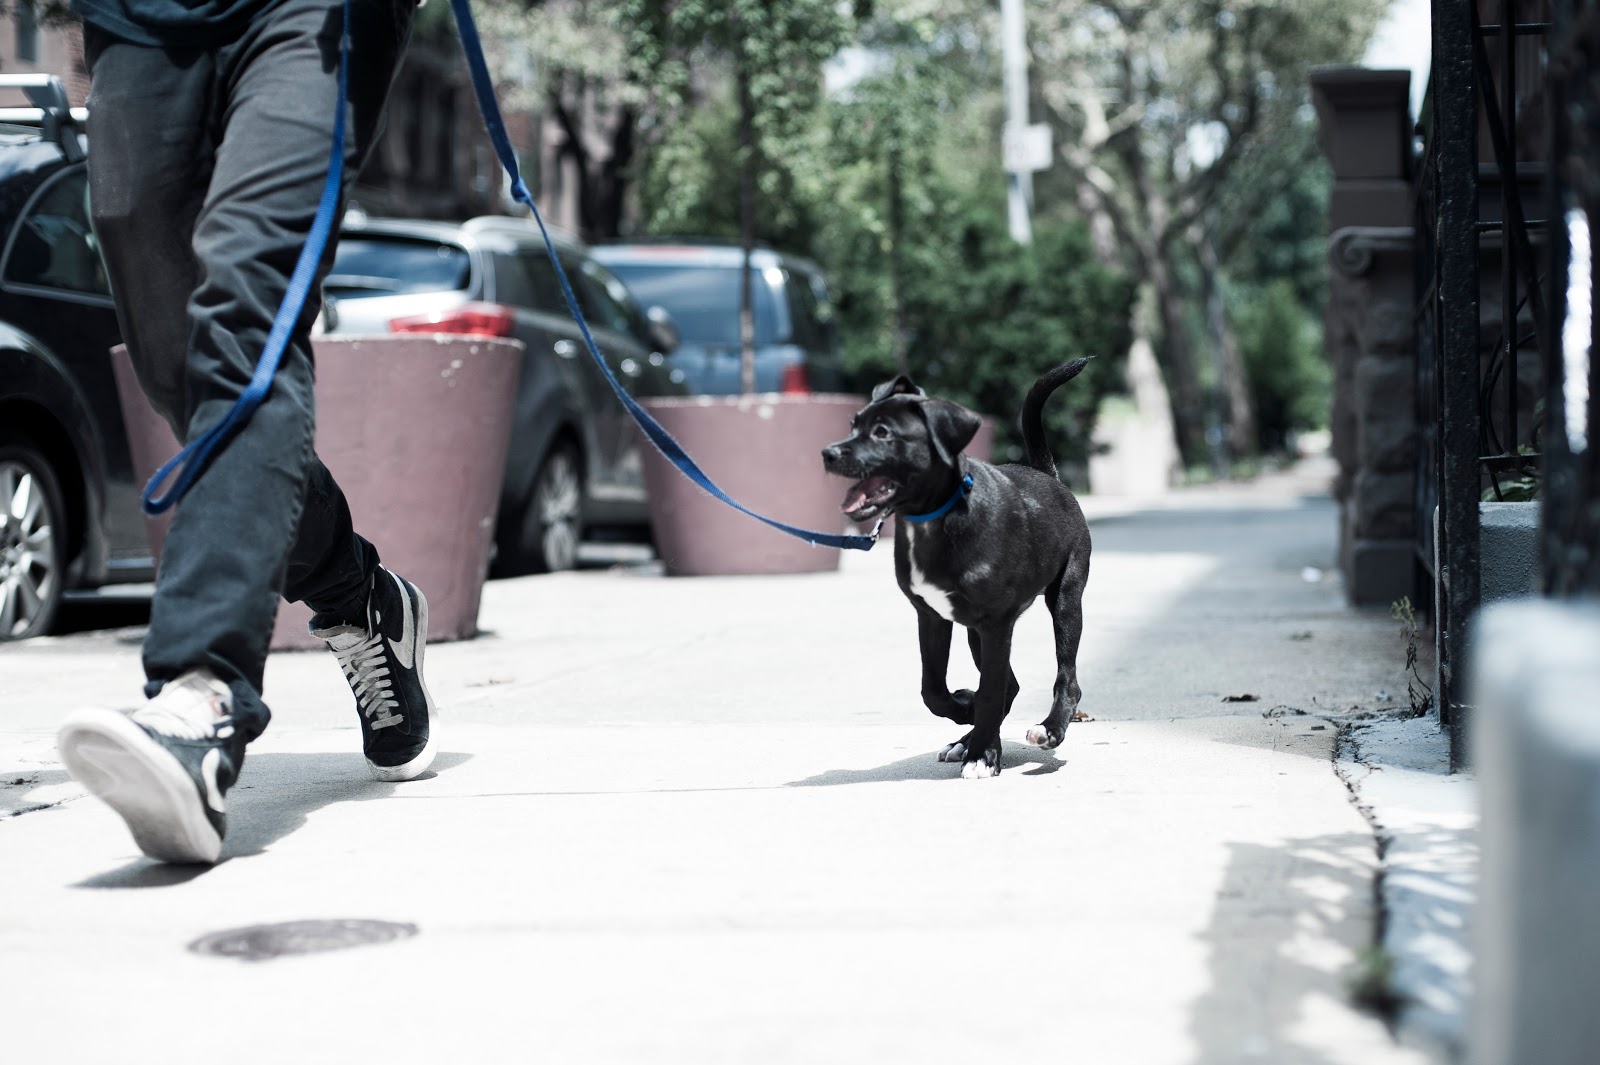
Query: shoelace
[[184, 710], [367, 669]]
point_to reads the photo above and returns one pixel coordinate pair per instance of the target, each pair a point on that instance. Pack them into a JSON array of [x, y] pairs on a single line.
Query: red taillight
[[470, 319], [793, 380]]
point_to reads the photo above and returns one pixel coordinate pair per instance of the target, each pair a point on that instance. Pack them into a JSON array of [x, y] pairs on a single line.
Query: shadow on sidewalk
[[18, 790], [1015, 757], [1280, 918], [276, 793]]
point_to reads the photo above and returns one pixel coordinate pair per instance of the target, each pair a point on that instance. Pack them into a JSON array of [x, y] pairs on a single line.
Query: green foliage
[[1524, 485], [688, 184], [782, 44], [1280, 341], [1371, 983], [990, 316], [894, 187], [1277, 201]]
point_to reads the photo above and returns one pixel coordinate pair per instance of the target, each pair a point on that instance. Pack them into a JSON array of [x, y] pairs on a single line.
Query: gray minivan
[[797, 343]]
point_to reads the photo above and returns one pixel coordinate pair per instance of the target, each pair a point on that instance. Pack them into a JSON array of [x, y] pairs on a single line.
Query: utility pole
[[1027, 147]]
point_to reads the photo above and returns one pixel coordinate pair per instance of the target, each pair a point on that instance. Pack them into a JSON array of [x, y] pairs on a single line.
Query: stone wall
[[1370, 335]]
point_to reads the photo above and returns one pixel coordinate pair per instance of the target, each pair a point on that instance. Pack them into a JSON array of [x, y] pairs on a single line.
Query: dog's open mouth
[[869, 498]]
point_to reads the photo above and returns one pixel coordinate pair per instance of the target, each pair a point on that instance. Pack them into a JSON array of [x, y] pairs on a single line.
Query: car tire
[[33, 541], [552, 523]]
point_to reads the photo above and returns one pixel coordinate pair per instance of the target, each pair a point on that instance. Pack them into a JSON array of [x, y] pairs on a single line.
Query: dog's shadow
[[1030, 761], [276, 793]]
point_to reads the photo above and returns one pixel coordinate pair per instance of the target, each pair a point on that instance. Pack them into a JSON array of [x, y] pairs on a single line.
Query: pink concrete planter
[[764, 450], [415, 429]]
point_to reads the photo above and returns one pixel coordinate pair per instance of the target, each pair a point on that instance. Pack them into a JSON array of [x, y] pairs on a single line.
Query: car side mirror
[[663, 330]]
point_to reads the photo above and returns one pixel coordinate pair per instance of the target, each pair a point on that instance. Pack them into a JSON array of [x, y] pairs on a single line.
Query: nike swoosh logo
[[403, 650], [208, 774]]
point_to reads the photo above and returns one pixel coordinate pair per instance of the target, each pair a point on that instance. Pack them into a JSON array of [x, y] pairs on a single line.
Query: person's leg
[[266, 516], [165, 766], [254, 221], [266, 104]]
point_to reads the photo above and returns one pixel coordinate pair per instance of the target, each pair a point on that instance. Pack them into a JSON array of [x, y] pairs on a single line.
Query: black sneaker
[[164, 767], [383, 663]]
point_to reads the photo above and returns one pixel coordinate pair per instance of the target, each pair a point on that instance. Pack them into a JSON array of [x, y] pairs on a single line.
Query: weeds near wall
[[1418, 691]]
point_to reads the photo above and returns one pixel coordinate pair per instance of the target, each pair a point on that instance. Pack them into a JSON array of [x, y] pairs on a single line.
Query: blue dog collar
[[961, 490]]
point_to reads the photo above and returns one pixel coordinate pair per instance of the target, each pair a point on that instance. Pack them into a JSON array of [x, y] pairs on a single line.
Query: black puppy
[[975, 544]]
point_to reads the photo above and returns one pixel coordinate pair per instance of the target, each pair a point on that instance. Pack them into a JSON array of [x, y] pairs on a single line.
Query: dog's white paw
[[979, 770], [955, 752], [1039, 736]]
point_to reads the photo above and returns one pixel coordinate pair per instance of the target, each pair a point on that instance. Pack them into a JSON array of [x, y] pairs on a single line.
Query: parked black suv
[[574, 464], [69, 513], [697, 282]]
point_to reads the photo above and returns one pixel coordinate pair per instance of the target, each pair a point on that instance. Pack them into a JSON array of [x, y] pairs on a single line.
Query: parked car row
[[665, 316], [69, 515], [574, 460]]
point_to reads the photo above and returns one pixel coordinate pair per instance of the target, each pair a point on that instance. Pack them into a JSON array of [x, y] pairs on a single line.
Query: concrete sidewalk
[[702, 821]]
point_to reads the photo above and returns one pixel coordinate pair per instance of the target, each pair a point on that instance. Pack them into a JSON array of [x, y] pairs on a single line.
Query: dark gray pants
[[206, 166]]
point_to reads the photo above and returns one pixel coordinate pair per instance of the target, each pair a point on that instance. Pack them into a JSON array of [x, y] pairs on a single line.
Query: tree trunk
[[1188, 405], [897, 299], [1233, 386], [747, 231], [603, 218]]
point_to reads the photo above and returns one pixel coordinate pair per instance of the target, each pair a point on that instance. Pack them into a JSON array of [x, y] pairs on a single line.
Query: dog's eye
[[881, 432]]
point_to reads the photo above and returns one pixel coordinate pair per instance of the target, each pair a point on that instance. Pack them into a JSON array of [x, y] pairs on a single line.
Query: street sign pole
[[1014, 49]]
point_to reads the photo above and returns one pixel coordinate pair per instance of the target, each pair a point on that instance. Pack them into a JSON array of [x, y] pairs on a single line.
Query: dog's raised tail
[[1039, 456]]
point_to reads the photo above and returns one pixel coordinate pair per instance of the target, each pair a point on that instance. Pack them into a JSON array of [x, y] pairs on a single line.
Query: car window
[[592, 285], [804, 312], [367, 265], [54, 245], [703, 300], [618, 294], [544, 289], [511, 283]]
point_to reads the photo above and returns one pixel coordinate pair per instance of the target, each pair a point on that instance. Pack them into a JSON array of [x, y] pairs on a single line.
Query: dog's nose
[[832, 453]]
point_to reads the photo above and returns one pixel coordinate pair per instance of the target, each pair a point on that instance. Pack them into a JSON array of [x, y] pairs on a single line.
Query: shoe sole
[[139, 779], [418, 765]]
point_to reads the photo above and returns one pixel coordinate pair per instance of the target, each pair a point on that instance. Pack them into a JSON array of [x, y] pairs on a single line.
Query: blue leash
[[194, 457], [949, 504], [191, 461]]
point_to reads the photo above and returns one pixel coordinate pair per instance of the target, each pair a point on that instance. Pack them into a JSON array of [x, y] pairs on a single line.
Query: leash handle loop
[[483, 87], [185, 467]]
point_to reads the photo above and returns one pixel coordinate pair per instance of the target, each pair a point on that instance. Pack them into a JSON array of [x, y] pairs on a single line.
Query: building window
[[27, 31]]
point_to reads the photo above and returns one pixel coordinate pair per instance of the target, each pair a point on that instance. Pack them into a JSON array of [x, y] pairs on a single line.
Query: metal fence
[[1506, 391], [1571, 514]]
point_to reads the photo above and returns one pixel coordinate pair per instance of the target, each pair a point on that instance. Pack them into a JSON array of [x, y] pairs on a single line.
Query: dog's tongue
[[867, 493]]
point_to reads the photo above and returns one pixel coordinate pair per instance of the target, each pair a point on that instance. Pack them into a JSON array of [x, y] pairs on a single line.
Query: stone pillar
[[1366, 135], [1536, 743], [1375, 379]]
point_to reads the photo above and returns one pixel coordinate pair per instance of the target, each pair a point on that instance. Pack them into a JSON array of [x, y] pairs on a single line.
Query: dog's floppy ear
[[951, 427], [901, 385]]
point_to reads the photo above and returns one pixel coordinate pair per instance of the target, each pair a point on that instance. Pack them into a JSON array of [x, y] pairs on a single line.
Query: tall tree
[[775, 50], [571, 59], [1156, 102]]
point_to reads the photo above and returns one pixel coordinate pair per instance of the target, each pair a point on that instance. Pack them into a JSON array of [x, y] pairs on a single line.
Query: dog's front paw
[[1047, 738], [954, 752], [961, 706], [982, 768]]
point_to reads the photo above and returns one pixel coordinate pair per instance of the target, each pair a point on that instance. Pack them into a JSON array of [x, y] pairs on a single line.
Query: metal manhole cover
[[262, 941]]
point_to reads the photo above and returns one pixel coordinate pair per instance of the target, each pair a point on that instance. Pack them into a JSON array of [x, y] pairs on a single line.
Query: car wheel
[[33, 542], [553, 522]]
